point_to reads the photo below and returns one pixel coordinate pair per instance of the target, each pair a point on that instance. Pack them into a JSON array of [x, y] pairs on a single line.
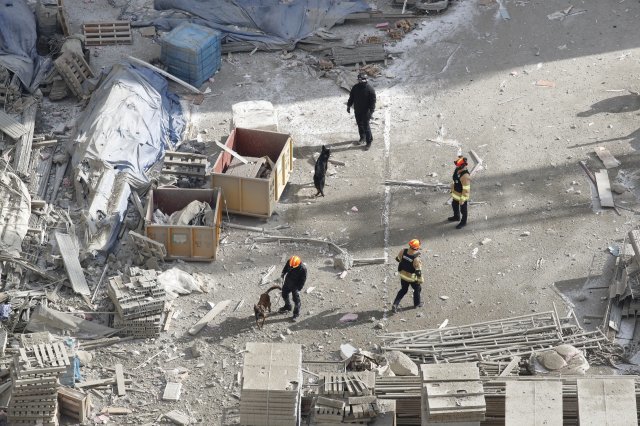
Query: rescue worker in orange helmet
[[294, 275], [410, 270], [460, 189]]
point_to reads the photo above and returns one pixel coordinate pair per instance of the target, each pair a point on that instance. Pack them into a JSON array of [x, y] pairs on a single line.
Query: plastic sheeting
[[272, 22], [18, 39], [130, 121]]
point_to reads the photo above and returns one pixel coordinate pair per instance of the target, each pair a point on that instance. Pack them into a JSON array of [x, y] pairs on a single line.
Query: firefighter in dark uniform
[[294, 275], [363, 99], [460, 189], [410, 269]]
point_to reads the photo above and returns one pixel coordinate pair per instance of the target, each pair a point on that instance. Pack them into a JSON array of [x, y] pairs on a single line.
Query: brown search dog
[[263, 306]]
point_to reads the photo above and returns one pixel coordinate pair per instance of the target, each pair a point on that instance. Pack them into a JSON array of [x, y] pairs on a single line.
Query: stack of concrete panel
[[271, 383], [35, 372], [259, 115], [452, 394], [139, 303]]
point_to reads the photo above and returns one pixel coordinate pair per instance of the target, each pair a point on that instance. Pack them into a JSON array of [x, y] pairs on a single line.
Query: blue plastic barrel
[[192, 52]]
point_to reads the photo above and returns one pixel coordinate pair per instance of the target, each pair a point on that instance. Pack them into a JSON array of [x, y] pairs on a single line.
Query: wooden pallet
[[74, 70], [74, 404], [184, 164], [147, 247], [105, 33]]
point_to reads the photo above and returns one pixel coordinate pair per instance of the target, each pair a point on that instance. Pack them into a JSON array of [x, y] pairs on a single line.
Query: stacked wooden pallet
[[184, 164], [35, 372], [271, 384], [498, 340], [139, 303], [452, 393]]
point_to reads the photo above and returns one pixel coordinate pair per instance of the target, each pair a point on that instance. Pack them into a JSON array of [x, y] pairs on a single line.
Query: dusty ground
[[471, 75]]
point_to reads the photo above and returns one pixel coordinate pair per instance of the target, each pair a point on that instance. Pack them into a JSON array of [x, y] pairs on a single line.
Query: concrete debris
[[401, 364]]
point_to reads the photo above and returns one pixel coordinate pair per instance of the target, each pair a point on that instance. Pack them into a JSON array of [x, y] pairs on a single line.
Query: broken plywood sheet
[[70, 256], [607, 402], [609, 161], [532, 403], [604, 188]]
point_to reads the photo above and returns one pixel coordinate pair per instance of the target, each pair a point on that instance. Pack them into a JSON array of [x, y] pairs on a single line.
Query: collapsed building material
[[345, 385], [609, 161], [34, 397], [75, 72], [258, 194], [195, 242], [271, 384], [258, 115], [105, 33], [604, 188], [70, 255]]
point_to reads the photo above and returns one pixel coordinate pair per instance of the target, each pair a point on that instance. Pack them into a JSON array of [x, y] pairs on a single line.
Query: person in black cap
[[363, 99]]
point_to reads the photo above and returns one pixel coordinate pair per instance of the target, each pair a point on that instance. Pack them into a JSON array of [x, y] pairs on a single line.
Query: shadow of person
[[615, 105]]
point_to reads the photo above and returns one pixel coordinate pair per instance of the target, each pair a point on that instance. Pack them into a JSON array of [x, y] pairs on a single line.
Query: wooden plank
[[166, 74], [195, 329], [121, 390], [70, 255], [232, 152], [604, 188], [533, 403], [607, 402], [609, 161], [512, 364]]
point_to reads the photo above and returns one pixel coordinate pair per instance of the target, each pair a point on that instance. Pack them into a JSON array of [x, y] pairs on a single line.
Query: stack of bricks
[[139, 303], [35, 373]]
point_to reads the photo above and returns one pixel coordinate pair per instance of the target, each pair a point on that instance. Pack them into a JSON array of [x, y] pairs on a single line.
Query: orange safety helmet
[[295, 261], [461, 161], [414, 244]]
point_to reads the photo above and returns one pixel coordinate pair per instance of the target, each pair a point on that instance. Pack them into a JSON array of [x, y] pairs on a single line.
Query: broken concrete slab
[[68, 247]]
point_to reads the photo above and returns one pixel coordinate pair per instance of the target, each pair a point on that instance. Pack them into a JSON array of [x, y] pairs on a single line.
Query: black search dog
[[321, 170]]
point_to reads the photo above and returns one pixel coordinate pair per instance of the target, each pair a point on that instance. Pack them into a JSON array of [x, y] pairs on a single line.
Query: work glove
[[420, 280], [348, 110]]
